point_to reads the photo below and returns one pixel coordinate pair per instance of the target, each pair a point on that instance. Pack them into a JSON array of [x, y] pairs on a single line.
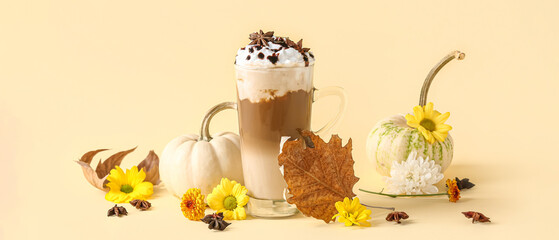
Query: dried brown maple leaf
[[318, 176], [97, 177]]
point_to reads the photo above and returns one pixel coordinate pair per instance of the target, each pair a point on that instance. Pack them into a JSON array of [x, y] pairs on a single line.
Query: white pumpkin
[[192, 161], [392, 140]]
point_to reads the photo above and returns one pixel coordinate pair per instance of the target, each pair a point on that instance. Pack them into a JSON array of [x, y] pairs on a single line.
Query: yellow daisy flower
[[128, 186], [230, 198], [429, 122], [192, 205], [352, 213]]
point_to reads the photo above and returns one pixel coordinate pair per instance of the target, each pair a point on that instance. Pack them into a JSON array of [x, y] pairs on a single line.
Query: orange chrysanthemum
[[453, 190], [192, 204]]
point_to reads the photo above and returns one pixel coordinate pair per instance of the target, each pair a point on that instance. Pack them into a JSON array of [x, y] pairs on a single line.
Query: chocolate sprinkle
[[248, 57], [273, 59], [251, 50], [261, 55], [311, 54], [258, 47]]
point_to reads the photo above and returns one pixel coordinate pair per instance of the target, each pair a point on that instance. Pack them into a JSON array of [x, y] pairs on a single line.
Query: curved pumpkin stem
[[429, 79], [205, 129]]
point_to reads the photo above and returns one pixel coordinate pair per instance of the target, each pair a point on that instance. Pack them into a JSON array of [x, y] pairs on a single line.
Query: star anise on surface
[[117, 211], [215, 221], [261, 38], [476, 216], [140, 204], [464, 183], [396, 216]]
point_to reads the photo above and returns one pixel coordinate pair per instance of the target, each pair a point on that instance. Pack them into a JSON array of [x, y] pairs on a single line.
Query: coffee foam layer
[[265, 84]]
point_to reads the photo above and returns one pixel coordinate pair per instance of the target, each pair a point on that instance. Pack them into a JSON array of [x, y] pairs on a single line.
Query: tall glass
[[271, 103]]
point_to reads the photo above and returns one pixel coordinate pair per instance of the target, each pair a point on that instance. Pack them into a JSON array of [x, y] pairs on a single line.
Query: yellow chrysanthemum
[[193, 206], [429, 122], [230, 198], [128, 186], [353, 213]]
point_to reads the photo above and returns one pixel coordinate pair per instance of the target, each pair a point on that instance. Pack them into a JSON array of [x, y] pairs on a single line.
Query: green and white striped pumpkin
[[392, 140]]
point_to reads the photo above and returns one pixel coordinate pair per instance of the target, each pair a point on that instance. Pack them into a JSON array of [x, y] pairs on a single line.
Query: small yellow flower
[[429, 122], [230, 198], [127, 187], [352, 213], [193, 206], [453, 190]]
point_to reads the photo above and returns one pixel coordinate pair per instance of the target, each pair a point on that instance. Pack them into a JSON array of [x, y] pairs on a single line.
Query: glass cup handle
[[205, 128], [331, 91]]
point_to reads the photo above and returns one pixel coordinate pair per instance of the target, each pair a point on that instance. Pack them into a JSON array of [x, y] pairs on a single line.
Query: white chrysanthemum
[[414, 176]]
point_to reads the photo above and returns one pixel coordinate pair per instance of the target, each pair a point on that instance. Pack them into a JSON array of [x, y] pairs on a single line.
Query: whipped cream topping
[[270, 67], [278, 52]]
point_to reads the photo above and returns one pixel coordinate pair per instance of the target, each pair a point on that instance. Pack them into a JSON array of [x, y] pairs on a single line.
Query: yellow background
[[82, 75]]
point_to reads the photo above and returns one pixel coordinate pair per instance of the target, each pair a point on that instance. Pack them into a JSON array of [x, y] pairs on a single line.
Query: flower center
[[230, 202], [190, 204], [409, 176], [428, 124], [126, 188]]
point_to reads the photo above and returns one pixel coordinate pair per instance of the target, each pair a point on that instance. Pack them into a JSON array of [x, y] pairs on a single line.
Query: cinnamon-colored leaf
[[318, 177], [104, 168], [88, 172], [151, 167]]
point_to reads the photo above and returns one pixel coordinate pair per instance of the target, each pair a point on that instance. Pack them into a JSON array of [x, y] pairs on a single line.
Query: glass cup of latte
[[275, 94]]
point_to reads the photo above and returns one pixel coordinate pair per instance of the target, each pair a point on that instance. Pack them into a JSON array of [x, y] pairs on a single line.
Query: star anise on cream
[[298, 46], [261, 38]]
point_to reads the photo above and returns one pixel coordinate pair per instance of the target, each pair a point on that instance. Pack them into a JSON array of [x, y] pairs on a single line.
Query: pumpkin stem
[[205, 129], [429, 79]]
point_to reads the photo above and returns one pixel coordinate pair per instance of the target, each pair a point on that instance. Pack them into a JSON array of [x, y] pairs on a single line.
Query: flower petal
[[439, 136], [117, 176], [442, 118], [140, 177], [113, 186], [427, 134], [116, 197], [215, 200], [443, 128], [242, 200], [142, 190], [428, 110], [418, 111], [240, 213], [131, 174], [339, 206]]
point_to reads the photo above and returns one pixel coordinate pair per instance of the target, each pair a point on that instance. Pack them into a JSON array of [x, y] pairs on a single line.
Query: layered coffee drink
[[275, 91]]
